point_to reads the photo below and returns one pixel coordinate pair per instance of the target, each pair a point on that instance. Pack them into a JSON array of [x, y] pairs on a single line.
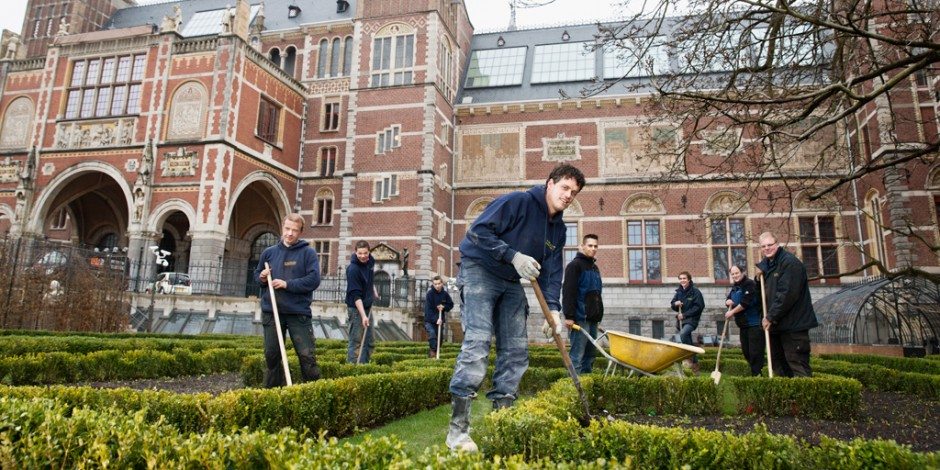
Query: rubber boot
[[458, 436], [504, 402]]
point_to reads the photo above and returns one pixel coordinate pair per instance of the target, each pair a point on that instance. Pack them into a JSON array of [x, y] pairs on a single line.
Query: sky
[[486, 15]]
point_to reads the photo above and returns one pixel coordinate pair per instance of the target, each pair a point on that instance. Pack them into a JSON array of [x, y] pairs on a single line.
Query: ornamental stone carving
[[16, 122], [561, 148], [188, 112], [490, 155], [95, 134], [181, 163], [9, 171]]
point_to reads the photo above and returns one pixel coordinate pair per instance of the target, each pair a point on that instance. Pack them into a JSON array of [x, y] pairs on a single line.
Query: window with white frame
[[105, 86], [644, 251], [571, 241], [385, 188], [729, 246], [324, 207], [388, 139], [330, 116], [818, 245], [323, 255], [445, 65], [393, 49], [334, 57], [327, 161]]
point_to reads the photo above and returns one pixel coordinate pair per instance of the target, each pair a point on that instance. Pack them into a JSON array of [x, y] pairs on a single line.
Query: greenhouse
[[902, 311]]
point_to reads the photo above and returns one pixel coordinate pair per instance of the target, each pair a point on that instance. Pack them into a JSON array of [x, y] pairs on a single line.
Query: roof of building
[[504, 66], [275, 13]]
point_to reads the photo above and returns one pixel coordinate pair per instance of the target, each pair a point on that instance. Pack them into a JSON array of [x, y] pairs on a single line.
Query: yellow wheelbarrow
[[640, 354]]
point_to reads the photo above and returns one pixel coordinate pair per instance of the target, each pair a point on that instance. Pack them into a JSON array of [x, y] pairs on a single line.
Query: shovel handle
[[277, 324], [560, 344], [763, 301]]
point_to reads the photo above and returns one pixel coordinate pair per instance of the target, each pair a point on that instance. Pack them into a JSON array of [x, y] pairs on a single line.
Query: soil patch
[[905, 419]]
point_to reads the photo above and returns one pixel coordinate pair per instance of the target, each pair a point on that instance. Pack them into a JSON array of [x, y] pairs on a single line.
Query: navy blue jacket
[[432, 300], [582, 290], [692, 304], [745, 294], [298, 265], [518, 222], [789, 304], [359, 282]]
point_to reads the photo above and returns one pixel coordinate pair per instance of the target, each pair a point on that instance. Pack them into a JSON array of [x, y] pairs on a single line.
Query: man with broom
[[294, 273], [518, 235]]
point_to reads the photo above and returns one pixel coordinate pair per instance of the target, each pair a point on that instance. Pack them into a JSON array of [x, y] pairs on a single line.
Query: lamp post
[[160, 260]]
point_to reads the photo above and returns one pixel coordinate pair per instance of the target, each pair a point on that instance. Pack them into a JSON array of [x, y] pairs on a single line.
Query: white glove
[[559, 325], [526, 266]]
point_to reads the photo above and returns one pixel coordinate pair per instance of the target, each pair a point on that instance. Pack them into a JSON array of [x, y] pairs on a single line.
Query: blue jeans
[[301, 335], [582, 351], [685, 335], [354, 321], [491, 307], [431, 328]]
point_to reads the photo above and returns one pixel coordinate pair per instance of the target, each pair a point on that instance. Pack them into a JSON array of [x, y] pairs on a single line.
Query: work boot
[[432, 354], [458, 436], [504, 402]]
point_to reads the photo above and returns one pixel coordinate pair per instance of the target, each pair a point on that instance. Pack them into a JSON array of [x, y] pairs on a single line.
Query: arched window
[[393, 55], [334, 58], [290, 59], [324, 206], [275, 56], [445, 67], [187, 112], [322, 58], [347, 55], [644, 239], [16, 123], [727, 233], [875, 225]]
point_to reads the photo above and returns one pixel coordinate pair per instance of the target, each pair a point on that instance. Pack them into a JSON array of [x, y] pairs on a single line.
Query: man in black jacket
[[582, 303], [790, 313], [437, 303], [689, 303]]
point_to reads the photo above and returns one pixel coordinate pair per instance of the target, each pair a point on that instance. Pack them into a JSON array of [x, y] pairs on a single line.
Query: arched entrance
[[88, 209], [254, 224]]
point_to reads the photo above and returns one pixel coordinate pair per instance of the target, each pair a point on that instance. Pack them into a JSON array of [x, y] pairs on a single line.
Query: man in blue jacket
[[518, 235], [690, 303], [437, 303], [294, 273], [790, 313], [360, 293], [582, 303]]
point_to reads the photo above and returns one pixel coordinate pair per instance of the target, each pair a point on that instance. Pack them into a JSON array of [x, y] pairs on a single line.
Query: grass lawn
[[425, 429]]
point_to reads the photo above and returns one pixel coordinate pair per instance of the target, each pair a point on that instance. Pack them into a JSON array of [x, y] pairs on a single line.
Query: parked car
[[173, 283]]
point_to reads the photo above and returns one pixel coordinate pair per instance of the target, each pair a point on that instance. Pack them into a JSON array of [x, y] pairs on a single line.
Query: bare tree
[[787, 97]]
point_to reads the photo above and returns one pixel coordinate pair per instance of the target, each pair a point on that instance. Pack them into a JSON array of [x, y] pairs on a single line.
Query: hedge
[[882, 378], [901, 364]]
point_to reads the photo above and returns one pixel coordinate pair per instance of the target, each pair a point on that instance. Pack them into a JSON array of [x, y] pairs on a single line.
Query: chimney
[[241, 19]]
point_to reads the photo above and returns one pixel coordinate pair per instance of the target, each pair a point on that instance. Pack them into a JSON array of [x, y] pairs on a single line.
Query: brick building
[[197, 126]]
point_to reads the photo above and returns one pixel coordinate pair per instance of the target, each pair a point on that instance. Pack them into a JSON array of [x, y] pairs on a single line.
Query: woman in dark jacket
[[744, 305]]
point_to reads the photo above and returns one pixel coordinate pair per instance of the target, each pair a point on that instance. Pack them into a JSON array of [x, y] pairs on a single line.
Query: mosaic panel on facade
[[629, 149], [492, 155], [188, 112]]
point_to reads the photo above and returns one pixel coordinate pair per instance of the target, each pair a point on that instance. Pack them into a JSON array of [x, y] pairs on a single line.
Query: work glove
[[559, 325], [526, 266]]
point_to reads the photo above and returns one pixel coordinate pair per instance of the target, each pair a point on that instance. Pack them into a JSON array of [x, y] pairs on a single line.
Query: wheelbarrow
[[640, 354]]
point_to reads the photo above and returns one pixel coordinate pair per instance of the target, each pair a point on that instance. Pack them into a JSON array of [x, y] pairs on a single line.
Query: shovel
[[362, 341], [277, 324], [763, 301], [437, 351], [560, 343], [716, 375]]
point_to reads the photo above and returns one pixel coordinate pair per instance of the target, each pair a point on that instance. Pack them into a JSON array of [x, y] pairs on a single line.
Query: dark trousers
[[790, 354], [752, 344], [431, 328], [301, 335]]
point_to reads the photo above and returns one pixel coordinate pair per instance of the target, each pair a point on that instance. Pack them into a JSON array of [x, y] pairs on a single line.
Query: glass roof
[[564, 62], [496, 67], [210, 22], [623, 62]]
